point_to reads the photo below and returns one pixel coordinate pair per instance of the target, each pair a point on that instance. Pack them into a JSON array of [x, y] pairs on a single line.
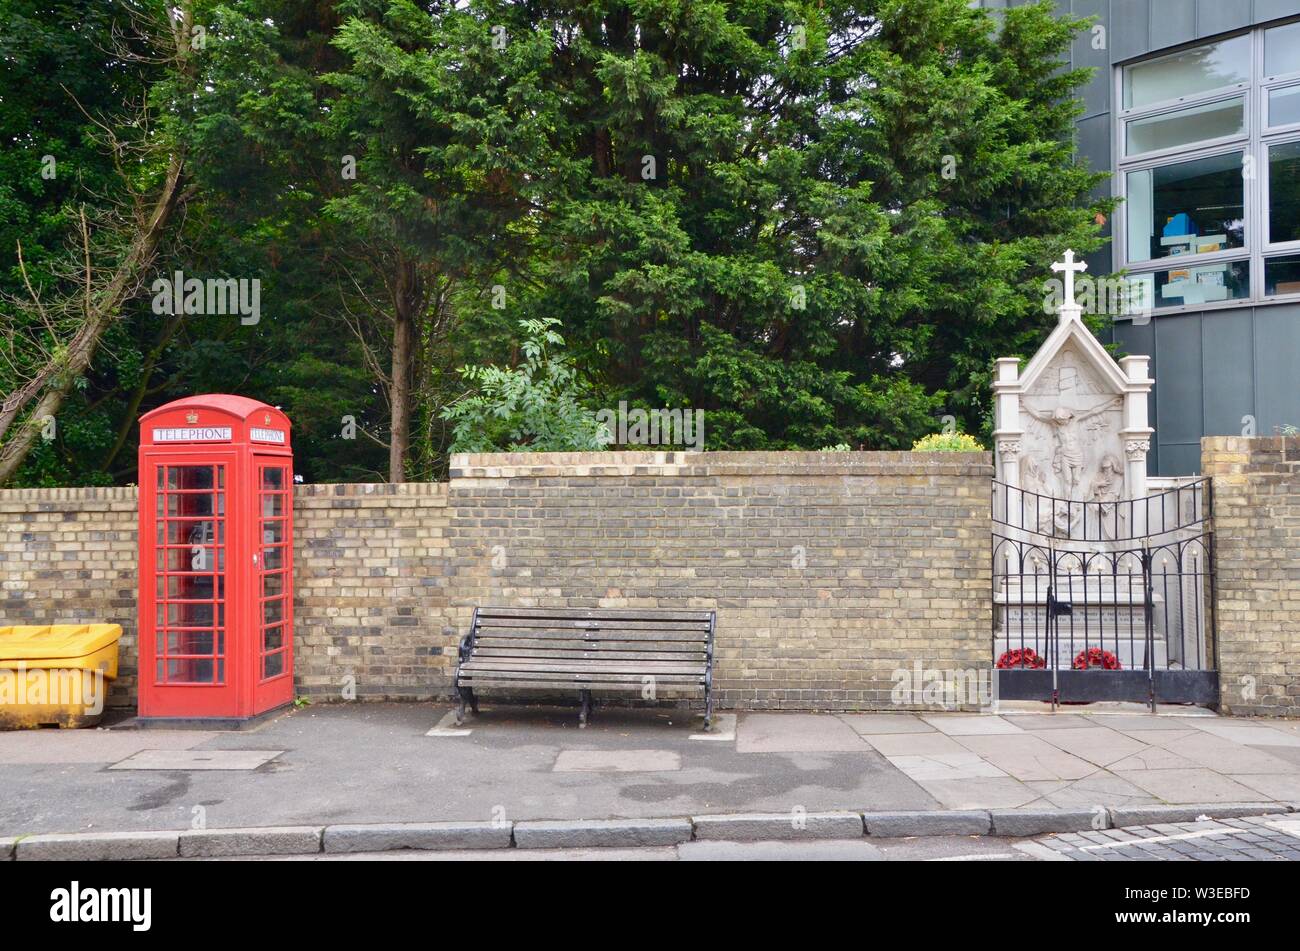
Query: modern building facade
[[1194, 109]]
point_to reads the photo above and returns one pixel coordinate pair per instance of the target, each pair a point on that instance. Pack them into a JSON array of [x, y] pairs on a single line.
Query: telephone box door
[[272, 571]]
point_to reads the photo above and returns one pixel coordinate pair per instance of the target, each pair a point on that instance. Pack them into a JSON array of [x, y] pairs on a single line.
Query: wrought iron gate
[[1110, 600]]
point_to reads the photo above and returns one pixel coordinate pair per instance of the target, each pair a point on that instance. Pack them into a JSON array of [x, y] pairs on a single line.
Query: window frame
[[1254, 144]]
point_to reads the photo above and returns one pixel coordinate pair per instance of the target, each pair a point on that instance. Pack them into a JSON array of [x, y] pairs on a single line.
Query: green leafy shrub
[[536, 406]]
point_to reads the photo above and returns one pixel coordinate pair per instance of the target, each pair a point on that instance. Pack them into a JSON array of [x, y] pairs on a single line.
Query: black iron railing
[[1182, 509]]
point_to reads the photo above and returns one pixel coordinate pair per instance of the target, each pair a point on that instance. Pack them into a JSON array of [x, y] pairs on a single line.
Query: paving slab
[[796, 733], [1249, 732], [1156, 737], [914, 744], [962, 724], [1027, 757], [1290, 754], [1189, 785], [1271, 786], [1096, 744], [1047, 721], [995, 792], [90, 746], [188, 760], [885, 723], [1097, 790], [946, 766], [617, 761], [1126, 722], [1226, 756], [1154, 757]]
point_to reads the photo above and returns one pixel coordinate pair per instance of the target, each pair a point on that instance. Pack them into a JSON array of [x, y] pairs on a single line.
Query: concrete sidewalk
[[366, 763]]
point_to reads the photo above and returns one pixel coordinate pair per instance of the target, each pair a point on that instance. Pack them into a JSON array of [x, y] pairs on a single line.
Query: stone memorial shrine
[[1090, 566]]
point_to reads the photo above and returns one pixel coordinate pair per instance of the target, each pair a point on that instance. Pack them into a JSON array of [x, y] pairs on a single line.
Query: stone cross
[[1070, 266]]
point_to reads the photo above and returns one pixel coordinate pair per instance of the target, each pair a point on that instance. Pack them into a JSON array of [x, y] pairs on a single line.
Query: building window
[[1209, 170]]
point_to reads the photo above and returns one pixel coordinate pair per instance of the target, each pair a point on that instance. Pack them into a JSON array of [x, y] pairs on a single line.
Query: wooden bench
[[591, 650]]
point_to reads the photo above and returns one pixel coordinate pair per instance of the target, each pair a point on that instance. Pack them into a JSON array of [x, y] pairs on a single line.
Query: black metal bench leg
[[708, 712], [585, 713], [467, 699]]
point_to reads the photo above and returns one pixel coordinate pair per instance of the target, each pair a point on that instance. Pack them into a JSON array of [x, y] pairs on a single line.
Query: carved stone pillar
[[1136, 435], [1007, 431]]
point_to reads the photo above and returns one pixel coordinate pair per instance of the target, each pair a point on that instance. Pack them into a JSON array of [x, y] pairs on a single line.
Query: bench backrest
[[637, 636]]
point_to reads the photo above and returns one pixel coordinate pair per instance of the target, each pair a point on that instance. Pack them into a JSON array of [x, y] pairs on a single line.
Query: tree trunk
[[407, 302]]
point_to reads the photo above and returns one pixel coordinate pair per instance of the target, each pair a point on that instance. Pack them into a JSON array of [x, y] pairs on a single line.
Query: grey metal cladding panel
[[1135, 338], [1140, 339], [1093, 146], [1266, 10], [1130, 28], [1172, 22], [1179, 460], [1228, 349], [1277, 366], [1220, 16], [1096, 94], [1178, 349]]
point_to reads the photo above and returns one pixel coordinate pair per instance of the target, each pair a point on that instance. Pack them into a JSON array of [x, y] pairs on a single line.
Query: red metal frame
[[208, 530]]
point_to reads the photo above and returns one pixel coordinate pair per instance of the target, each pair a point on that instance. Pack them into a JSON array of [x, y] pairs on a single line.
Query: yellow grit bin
[[56, 675]]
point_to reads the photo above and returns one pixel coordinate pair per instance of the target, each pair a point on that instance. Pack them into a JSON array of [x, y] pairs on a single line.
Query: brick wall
[[69, 556], [1257, 552], [371, 574], [829, 571]]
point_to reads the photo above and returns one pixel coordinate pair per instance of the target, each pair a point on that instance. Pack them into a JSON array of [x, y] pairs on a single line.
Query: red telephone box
[[216, 559]]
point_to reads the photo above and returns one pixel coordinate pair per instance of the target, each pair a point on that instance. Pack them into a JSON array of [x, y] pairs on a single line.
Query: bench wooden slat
[[580, 679], [650, 614], [594, 687], [593, 643], [595, 637], [607, 634], [584, 667], [585, 624], [697, 657], [632, 635]]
